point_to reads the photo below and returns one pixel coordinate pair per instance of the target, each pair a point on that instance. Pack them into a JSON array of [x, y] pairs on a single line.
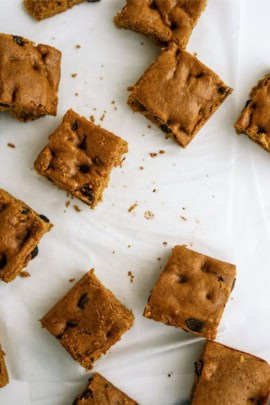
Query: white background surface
[[221, 179]]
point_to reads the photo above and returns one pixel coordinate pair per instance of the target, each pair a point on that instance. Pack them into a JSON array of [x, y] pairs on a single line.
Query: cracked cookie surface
[[178, 93], [40, 9], [80, 156], [20, 232], [88, 320], [191, 292], [29, 78], [163, 20]]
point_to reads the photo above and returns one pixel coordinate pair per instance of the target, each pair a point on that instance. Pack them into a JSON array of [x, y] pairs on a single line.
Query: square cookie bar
[[80, 156], [88, 320], [178, 93], [3, 370], [163, 20], [40, 9], [21, 229], [101, 391], [227, 376], [191, 292], [29, 78], [254, 120]]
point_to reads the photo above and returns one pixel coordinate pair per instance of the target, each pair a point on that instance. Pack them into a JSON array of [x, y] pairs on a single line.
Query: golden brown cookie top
[[164, 20], [29, 77], [40, 9], [101, 391], [236, 377]]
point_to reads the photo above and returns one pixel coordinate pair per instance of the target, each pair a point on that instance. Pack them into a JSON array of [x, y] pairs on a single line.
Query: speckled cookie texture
[[3, 370], [254, 120], [40, 9], [100, 391], [178, 93], [163, 20], [21, 229], [29, 78], [226, 376], [80, 156], [191, 292], [88, 320]]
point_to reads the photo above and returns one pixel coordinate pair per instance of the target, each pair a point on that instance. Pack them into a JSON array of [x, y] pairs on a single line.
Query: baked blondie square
[[226, 376], [29, 78], [40, 9], [178, 93], [88, 320], [163, 20], [80, 156], [254, 120], [191, 292], [101, 391], [21, 229]]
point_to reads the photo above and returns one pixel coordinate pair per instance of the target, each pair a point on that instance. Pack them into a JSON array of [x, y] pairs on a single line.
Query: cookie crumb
[[71, 279], [161, 152], [170, 374], [153, 154], [113, 102], [113, 252], [129, 246], [132, 207], [103, 116], [158, 259], [165, 243], [141, 168], [74, 74], [11, 145], [24, 274], [76, 208], [131, 276], [183, 218], [148, 215], [77, 46], [154, 191], [76, 94], [92, 118], [68, 203], [149, 126]]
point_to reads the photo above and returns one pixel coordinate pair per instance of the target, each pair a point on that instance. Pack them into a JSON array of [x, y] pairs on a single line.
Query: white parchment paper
[[219, 184]]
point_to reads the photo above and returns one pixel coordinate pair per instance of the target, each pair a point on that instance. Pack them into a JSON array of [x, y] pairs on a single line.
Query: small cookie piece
[[254, 120], [3, 370], [21, 229], [88, 320], [178, 93], [191, 292], [226, 376], [163, 20], [40, 9], [101, 391], [29, 78], [80, 156]]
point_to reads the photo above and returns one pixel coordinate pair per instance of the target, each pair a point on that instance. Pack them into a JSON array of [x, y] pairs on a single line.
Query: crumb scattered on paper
[[165, 243], [74, 74], [71, 279], [153, 154], [183, 218], [131, 276], [148, 215], [132, 207], [24, 274], [76, 208], [77, 46], [11, 145]]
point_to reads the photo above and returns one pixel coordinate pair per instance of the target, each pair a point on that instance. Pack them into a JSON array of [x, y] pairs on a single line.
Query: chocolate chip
[[75, 126], [173, 26], [199, 75], [25, 211], [247, 103], [87, 191], [261, 130], [182, 279], [153, 5], [26, 235], [199, 367], [71, 324], [3, 260], [233, 284], [18, 40], [222, 90], [165, 128], [84, 168], [45, 219], [4, 105], [220, 278], [82, 145], [87, 394], [92, 1], [82, 301], [34, 253], [194, 324], [2, 207]]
